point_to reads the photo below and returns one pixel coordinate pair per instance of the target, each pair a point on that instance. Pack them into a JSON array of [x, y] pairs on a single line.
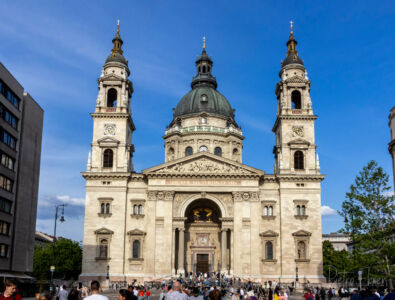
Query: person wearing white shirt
[[95, 288]]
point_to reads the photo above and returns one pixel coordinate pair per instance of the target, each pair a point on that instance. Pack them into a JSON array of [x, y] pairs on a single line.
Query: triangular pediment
[[295, 79], [112, 77], [203, 163], [301, 233], [269, 233], [107, 140], [104, 230], [136, 232], [299, 141]]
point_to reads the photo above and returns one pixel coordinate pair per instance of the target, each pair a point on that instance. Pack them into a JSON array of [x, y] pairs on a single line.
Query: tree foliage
[[368, 213], [335, 262], [68, 260]]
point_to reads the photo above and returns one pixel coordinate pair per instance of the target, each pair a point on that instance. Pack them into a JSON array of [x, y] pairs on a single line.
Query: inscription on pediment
[[205, 166]]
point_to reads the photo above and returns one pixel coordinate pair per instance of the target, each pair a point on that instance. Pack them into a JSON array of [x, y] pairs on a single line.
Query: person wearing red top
[[10, 291], [148, 294]]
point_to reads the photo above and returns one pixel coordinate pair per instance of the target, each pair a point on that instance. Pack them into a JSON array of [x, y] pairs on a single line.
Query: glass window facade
[[9, 95], [4, 228], [8, 139], [5, 205], [6, 183], [7, 161]]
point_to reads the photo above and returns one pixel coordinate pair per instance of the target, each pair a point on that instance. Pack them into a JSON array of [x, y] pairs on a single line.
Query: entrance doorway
[[202, 263]]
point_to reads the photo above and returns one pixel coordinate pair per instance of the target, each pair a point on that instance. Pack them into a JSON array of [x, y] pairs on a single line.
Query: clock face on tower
[[109, 129], [297, 130]]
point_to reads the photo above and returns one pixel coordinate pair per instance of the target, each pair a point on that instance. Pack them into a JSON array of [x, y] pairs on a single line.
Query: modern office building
[[21, 125]]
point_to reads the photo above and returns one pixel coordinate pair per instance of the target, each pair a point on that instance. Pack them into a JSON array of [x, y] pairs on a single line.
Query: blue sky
[[56, 50]]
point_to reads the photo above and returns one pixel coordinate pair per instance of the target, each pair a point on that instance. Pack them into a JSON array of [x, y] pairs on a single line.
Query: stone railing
[[204, 128]]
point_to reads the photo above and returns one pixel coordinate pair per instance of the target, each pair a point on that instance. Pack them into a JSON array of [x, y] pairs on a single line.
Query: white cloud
[[327, 211], [72, 201]]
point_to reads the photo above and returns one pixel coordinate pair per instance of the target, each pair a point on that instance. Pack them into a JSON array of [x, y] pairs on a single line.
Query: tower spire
[[117, 42], [292, 53], [204, 43]]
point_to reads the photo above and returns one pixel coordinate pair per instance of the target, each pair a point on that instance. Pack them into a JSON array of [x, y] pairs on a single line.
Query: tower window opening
[[270, 211], [298, 160], [188, 151], [103, 250], [140, 209], [107, 208], [102, 208], [269, 250], [298, 210], [218, 151], [108, 157], [265, 211], [204, 69], [296, 100], [303, 210], [136, 249], [135, 209], [112, 98]]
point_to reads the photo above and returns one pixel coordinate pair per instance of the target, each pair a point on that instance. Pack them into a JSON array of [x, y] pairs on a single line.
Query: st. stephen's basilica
[[203, 210]]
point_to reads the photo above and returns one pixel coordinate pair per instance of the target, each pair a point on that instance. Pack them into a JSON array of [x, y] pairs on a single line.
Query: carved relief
[[204, 166]]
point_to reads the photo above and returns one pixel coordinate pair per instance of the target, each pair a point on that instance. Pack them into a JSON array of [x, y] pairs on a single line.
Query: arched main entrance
[[204, 243]]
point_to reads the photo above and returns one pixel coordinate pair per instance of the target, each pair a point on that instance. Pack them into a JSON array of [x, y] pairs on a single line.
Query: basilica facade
[[203, 210]]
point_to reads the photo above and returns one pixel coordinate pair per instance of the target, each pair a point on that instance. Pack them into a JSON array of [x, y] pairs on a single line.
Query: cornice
[[293, 117], [166, 136], [203, 175], [300, 177], [113, 115], [105, 175]]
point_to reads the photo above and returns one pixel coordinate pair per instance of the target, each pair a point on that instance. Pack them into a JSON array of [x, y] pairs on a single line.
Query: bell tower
[[112, 147], [295, 149]]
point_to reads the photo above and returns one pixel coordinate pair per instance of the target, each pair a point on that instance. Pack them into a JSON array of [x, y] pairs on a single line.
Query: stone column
[[173, 253], [223, 251], [181, 251]]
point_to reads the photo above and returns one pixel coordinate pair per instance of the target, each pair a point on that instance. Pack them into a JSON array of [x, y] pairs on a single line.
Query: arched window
[[303, 212], [218, 151], [204, 69], [203, 149], [298, 210], [265, 211], [135, 209], [102, 208], [270, 210], [136, 249], [140, 209], [296, 100], [298, 160], [112, 98], [301, 250], [103, 251], [188, 151], [108, 158], [107, 208], [269, 250]]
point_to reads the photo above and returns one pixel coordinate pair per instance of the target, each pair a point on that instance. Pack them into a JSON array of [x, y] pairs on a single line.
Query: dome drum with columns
[[202, 210]]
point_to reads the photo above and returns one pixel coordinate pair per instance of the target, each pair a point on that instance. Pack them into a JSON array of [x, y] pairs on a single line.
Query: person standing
[[95, 292], [63, 293], [10, 291]]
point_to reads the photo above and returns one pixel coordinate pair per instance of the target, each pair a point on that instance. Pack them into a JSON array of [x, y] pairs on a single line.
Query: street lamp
[[296, 277], [52, 268], [329, 266]]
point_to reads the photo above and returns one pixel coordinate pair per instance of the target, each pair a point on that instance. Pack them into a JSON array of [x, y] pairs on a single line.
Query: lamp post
[[52, 268], [296, 277], [329, 266]]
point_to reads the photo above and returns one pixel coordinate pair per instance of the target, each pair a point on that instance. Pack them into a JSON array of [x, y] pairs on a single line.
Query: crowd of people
[[202, 288]]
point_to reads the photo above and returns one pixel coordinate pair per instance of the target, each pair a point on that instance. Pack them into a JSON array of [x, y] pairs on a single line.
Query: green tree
[[68, 260], [368, 213], [335, 261]]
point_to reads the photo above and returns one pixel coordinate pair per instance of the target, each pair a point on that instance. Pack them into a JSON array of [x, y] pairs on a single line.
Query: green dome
[[204, 99], [116, 57]]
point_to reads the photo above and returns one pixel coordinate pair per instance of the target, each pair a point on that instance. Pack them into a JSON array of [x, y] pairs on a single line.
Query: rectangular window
[[8, 139], [7, 161], [6, 183], [5, 205], [3, 250], [10, 118], [4, 228], [9, 95]]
